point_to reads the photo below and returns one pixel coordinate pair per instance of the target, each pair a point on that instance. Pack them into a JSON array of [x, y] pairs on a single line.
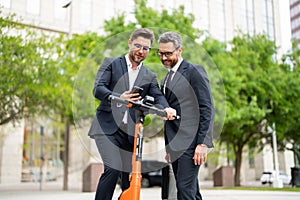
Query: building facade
[[222, 19], [295, 19]]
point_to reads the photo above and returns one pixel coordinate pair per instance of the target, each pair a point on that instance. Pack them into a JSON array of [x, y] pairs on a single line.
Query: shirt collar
[[129, 65]]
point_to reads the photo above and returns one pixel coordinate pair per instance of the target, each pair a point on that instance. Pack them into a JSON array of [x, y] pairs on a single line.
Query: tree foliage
[[286, 112], [251, 76], [26, 70], [254, 89]]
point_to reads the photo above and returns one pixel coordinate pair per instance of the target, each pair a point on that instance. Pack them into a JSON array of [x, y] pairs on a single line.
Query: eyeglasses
[[167, 54], [138, 47]]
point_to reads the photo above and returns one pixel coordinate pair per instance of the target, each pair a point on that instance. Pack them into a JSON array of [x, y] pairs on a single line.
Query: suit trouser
[[116, 153], [186, 175], [168, 186]]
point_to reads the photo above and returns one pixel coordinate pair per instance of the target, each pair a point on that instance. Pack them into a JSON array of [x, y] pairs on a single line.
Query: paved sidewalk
[[151, 194], [52, 191]]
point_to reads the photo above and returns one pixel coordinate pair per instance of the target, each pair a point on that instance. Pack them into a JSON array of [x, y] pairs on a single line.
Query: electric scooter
[[141, 107]]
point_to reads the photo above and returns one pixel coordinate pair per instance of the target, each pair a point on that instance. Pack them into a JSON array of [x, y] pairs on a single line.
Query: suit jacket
[[191, 97], [112, 79]]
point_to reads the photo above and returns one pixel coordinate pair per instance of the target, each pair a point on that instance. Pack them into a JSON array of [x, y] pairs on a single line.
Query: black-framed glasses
[[139, 46], [167, 54]]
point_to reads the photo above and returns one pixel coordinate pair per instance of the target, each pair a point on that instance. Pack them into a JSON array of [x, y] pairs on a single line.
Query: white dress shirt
[[174, 69], [132, 74]]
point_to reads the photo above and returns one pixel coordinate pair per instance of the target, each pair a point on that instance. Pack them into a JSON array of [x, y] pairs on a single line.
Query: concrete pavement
[[151, 194], [30, 191]]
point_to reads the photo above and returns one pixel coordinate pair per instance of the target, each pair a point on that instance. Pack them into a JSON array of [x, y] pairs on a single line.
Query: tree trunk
[[66, 155], [238, 164]]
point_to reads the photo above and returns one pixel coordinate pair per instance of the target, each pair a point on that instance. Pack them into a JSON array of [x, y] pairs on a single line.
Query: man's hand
[[130, 96], [200, 154], [168, 158], [171, 114]]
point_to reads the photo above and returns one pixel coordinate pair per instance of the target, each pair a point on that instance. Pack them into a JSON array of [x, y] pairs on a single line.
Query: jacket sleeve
[[102, 82], [201, 87]]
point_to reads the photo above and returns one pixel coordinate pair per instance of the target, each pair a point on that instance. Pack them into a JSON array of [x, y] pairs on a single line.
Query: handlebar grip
[[118, 99], [176, 117]]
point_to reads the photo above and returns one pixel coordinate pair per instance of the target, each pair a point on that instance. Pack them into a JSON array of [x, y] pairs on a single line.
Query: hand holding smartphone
[[136, 89]]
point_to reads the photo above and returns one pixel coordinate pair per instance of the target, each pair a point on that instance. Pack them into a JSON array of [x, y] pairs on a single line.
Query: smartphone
[[136, 89]]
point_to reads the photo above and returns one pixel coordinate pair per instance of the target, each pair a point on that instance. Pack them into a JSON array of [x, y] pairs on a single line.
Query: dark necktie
[[167, 88]]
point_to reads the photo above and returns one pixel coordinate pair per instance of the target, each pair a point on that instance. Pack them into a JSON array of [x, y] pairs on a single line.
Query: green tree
[[286, 112], [250, 74], [26, 69], [89, 50]]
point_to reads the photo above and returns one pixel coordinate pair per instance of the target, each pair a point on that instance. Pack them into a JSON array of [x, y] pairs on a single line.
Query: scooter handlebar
[[141, 106]]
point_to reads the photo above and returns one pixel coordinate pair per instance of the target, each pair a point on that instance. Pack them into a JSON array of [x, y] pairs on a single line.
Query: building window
[[220, 19], [130, 15], [109, 9], [60, 12], [243, 13], [5, 3], [204, 14], [269, 18], [250, 16], [33, 7], [188, 7], [85, 13], [247, 17]]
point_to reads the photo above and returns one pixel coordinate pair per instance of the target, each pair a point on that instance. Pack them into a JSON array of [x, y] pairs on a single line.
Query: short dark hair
[[143, 32], [170, 36]]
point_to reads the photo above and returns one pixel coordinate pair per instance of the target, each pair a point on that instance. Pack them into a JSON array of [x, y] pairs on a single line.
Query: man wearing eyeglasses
[[113, 125], [186, 88]]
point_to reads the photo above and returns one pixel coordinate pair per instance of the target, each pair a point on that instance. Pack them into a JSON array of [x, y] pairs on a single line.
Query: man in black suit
[[113, 125], [186, 88]]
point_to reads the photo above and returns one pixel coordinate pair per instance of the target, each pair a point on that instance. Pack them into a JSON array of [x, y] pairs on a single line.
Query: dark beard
[[172, 63], [133, 59]]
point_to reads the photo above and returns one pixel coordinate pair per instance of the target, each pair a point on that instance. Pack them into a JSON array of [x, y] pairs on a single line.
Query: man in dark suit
[[113, 125], [186, 88]]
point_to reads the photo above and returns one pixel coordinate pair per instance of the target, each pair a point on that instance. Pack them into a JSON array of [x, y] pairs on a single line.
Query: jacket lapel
[[125, 77], [177, 76], [162, 83]]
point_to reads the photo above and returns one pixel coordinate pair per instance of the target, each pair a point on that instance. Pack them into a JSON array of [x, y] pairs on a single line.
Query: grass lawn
[[287, 188]]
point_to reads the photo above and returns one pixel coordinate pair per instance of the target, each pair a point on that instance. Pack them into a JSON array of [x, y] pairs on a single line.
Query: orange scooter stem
[[133, 192]]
